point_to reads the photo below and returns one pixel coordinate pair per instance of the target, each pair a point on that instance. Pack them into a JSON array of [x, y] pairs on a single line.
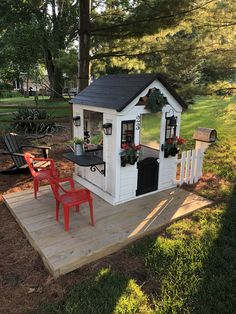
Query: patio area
[[115, 226]]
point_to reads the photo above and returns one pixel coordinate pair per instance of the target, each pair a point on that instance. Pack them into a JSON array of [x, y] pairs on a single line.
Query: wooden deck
[[115, 226]]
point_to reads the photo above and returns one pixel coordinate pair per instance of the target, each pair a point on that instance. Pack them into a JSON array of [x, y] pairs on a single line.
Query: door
[[148, 170]]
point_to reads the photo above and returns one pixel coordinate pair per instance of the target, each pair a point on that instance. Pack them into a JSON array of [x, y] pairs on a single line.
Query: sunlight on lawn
[[104, 292]]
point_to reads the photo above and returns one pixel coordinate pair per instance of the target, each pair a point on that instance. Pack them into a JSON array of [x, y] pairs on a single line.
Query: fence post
[[201, 156], [187, 167], [192, 169], [197, 166], [182, 168]]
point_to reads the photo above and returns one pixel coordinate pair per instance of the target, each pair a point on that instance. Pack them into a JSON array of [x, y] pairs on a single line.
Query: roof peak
[[116, 91]]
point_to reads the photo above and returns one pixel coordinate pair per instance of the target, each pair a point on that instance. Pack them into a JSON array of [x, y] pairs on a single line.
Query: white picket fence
[[190, 166]]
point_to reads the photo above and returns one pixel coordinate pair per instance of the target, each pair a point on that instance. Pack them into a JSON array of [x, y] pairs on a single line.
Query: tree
[[55, 26], [180, 43], [130, 36]]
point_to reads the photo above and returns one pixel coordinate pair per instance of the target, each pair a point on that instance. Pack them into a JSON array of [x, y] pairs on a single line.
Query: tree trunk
[[55, 77], [84, 45]]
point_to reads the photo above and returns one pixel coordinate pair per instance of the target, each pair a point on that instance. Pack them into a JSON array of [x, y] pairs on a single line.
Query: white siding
[[128, 182], [109, 154], [167, 173]]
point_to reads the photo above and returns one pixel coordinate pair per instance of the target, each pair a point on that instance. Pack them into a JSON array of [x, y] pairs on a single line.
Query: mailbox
[[205, 135]]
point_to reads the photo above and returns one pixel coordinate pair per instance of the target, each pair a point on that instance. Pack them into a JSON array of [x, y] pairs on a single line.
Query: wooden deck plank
[[122, 237], [115, 226]]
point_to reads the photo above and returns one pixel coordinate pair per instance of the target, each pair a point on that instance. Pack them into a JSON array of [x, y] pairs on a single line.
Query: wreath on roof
[[156, 101]]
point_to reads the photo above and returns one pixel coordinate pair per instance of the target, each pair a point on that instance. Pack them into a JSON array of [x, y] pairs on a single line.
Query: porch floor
[[115, 226]]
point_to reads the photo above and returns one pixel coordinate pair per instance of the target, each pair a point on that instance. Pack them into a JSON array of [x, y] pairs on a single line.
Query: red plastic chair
[[70, 198], [40, 169]]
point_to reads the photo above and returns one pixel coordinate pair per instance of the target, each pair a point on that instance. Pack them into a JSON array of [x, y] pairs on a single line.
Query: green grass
[[150, 130], [61, 112], [22, 101], [194, 262], [191, 266], [104, 292], [219, 114]]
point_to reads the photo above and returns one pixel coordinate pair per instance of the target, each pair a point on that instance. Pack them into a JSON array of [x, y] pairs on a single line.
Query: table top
[[85, 160]]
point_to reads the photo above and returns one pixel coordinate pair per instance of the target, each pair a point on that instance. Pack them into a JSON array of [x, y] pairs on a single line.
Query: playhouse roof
[[116, 91]]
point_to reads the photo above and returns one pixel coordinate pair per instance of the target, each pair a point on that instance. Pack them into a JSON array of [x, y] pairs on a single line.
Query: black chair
[[16, 145]]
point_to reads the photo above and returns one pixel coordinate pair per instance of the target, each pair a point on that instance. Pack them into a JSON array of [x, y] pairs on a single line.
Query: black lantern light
[[173, 121], [77, 121], [171, 124], [107, 128]]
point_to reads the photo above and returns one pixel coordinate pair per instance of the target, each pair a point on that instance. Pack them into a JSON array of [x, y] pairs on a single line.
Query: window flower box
[[129, 154], [171, 146]]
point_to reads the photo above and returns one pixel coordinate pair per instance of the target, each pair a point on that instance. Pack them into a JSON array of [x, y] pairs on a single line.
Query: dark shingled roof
[[118, 90]]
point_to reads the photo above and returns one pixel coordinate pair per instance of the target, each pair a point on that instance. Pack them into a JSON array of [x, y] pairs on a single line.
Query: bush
[[6, 87], [25, 114]]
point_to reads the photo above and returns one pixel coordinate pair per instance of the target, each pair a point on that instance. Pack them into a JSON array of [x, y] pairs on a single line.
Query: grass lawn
[[191, 266], [7, 113]]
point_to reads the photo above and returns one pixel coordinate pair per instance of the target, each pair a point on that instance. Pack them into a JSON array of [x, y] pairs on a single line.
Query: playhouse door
[[148, 170]]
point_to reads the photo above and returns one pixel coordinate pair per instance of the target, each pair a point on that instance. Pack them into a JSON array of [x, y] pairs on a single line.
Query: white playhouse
[[121, 162]]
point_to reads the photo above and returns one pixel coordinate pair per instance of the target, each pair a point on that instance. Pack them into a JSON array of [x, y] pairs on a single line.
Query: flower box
[[171, 146], [129, 154]]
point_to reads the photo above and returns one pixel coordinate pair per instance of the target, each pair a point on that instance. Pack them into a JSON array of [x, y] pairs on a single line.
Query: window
[[127, 132]]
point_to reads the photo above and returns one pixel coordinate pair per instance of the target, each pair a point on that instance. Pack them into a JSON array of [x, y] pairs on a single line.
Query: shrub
[[5, 87], [21, 125]]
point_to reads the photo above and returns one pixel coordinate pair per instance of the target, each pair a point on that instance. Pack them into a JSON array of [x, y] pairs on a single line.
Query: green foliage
[[6, 94], [5, 87], [96, 139], [6, 90], [189, 50], [78, 140], [173, 38], [25, 114], [221, 88], [156, 101], [68, 61], [34, 32]]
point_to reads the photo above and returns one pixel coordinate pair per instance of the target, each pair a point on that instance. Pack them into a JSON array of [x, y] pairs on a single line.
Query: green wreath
[[156, 101]]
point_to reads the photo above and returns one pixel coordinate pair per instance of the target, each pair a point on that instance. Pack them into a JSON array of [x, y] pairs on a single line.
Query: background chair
[[40, 169], [15, 145], [70, 198]]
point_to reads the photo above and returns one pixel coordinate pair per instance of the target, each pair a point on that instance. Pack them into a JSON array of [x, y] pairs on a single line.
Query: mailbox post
[[204, 138]]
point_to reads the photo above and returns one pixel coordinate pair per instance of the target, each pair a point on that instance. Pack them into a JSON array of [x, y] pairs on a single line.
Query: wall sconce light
[[173, 121], [107, 128], [77, 121]]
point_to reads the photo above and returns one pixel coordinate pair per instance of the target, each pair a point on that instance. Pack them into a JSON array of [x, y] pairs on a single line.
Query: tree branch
[[135, 22], [122, 53]]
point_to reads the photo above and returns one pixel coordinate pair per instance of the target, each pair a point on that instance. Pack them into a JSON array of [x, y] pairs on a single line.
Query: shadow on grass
[[194, 262], [217, 291], [105, 292]]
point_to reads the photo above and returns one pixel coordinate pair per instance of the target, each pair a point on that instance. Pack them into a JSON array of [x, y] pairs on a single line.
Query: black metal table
[[87, 160]]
